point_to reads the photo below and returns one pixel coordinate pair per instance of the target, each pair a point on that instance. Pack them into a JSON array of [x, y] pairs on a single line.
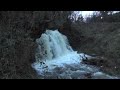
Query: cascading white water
[[51, 45], [54, 51]]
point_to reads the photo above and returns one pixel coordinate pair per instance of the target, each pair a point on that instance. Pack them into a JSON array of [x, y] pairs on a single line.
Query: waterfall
[[51, 45], [54, 52]]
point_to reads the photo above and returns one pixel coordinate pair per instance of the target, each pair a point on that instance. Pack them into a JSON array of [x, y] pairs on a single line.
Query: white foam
[[70, 58]]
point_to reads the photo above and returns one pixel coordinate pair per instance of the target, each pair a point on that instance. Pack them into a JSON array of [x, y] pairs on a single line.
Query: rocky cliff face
[[18, 32]]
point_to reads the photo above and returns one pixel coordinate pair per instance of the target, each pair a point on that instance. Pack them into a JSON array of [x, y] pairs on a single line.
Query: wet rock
[[100, 75], [59, 70], [78, 74], [65, 75], [73, 67], [51, 75], [88, 68], [88, 75]]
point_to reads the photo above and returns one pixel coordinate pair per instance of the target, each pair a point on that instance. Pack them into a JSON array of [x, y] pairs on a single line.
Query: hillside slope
[[101, 39]]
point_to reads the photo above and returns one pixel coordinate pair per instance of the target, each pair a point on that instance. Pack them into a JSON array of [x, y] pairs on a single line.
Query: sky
[[86, 13]]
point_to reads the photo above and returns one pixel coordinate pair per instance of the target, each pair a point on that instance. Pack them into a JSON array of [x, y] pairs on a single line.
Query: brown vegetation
[[101, 39]]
